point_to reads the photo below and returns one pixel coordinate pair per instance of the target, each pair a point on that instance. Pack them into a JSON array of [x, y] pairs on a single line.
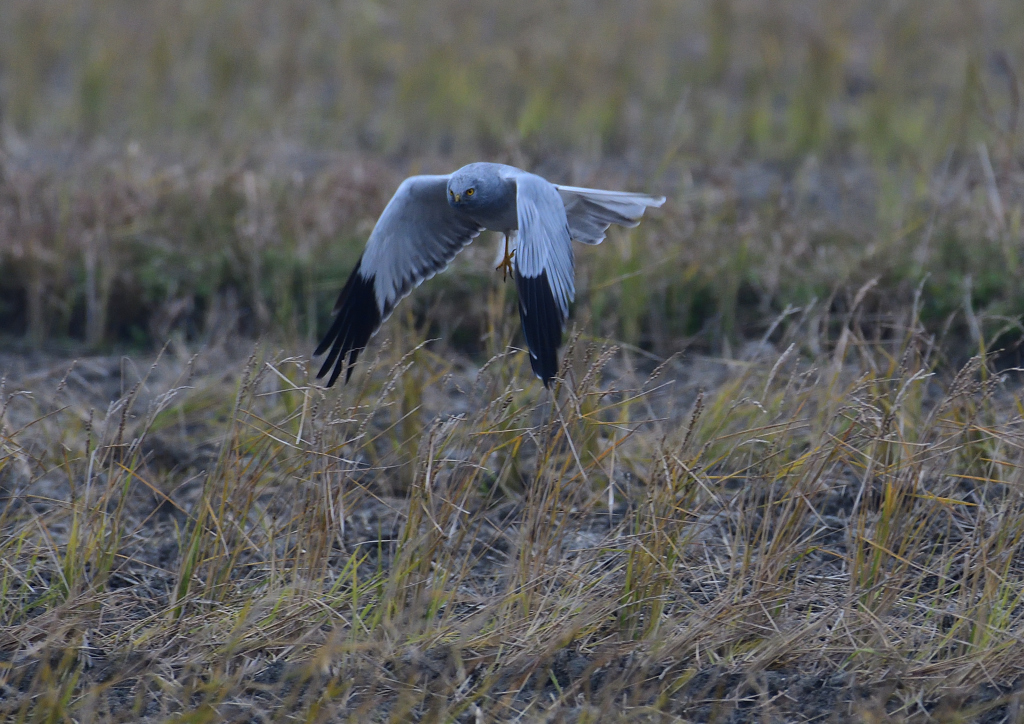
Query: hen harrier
[[430, 219]]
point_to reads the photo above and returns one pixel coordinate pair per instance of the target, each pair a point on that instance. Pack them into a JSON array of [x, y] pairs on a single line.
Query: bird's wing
[[417, 235], [544, 270], [591, 211]]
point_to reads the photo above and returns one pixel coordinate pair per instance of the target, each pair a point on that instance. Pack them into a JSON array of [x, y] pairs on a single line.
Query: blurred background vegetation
[[184, 169]]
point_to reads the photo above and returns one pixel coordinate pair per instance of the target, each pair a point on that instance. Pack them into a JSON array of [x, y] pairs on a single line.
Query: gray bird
[[430, 219]]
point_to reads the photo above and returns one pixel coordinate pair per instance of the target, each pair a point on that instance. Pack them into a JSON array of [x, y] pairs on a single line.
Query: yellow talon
[[506, 263]]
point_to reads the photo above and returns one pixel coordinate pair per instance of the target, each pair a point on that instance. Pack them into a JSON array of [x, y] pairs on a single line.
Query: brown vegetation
[[781, 479]]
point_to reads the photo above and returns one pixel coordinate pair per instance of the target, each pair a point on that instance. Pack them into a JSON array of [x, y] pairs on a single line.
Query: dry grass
[[654, 80], [807, 537], [128, 249], [790, 490], [180, 168]]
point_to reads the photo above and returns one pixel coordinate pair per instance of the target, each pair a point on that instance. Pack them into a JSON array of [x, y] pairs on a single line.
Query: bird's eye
[[470, 192]]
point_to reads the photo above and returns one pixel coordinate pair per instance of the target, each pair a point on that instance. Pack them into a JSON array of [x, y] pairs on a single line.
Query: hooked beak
[[458, 197]]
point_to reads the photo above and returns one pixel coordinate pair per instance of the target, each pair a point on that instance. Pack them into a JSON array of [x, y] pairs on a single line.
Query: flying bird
[[431, 218]]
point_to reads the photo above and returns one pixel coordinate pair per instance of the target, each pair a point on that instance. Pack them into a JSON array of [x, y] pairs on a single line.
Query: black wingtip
[[358, 317], [542, 324]]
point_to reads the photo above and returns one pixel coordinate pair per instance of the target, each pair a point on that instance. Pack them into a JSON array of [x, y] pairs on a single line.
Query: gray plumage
[[431, 218]]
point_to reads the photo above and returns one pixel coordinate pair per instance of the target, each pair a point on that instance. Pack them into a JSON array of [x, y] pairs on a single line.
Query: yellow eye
[[470, 192]]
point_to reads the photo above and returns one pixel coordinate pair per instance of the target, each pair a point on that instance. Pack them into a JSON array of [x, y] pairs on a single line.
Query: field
[[781, 477]]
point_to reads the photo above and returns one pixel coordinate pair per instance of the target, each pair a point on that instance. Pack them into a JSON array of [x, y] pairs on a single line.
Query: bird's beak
[[458, 197]]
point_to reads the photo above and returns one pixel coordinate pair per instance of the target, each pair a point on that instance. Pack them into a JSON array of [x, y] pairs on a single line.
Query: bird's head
[[470, 188]]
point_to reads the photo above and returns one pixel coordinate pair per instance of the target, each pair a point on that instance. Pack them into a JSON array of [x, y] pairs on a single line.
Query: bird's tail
[[591, 211]]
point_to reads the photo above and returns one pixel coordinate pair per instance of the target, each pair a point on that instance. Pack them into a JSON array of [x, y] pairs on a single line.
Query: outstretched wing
[[544, 270], [591, 211], [416, 237]]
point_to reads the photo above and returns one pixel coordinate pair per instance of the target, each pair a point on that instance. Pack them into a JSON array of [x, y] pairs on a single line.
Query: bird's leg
[[506, 263]]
